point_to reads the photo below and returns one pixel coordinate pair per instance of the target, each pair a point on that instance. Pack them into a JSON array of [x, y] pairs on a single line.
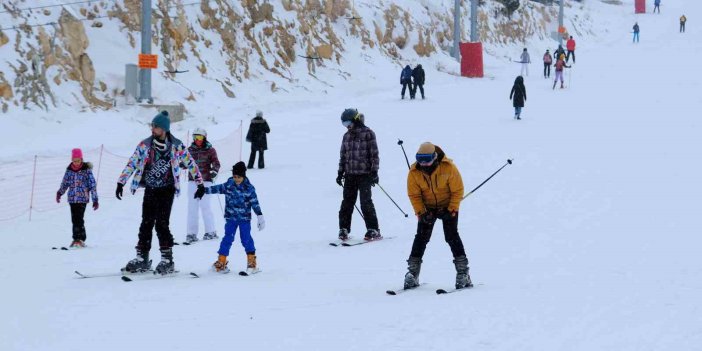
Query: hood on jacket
[[519, 80], [83, 167]]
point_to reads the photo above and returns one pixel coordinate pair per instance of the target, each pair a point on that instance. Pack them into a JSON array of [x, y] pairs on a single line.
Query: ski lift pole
[[509, 162]]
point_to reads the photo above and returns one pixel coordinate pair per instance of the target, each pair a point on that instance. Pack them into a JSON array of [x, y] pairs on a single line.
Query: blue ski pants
[[229, 232]]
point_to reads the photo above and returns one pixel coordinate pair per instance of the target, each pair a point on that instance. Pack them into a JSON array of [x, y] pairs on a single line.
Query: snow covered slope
[[589, 241]]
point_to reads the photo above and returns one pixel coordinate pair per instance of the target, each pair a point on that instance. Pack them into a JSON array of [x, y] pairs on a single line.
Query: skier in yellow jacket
[[435, 188]]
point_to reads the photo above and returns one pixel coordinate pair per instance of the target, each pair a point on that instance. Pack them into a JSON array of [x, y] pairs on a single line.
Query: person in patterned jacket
[[358, 171], [240, 197], [81, 186], [155, 166], [206, 158]]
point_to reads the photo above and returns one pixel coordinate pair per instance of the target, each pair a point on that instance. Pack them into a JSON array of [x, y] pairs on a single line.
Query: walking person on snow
[[570, 45], [518, 96], [435, 188], [155, 166], [525, 60], [240, 197], [406, 80], [636, 32], [205, 157], [418, 78], [81, 186], [258, 139], [547, 64], [358, 171], [657, 5], [683, 19], [560, 64]]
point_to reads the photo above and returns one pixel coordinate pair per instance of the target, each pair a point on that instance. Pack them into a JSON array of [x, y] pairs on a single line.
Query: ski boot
[[77, 244], [343, 234], [166, 266], [140, 264], [191, 238], [414, 265], [210, 236], [372, 234], [220, 266], [251, 264], [462, 276]]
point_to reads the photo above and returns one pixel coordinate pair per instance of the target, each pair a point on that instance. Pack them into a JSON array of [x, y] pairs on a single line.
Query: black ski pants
[[547, 70], [77, 215], [421, 89], [425, 226], [570, 52], [404, 87], [252, 157], [353, 184], [156, 211], [682, 27]]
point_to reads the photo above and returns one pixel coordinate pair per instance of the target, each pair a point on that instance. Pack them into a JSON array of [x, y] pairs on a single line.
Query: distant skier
[[358, 171], [636, 32], [81, 186], [547, 64], [560, 64], [155, 166], [683, 19], [570, 45], [208, 163], [406, 80], [258, 139], [657, 6], [240, 197], [418, 78], [525, 60], [518, 96], [435, 189], [560, 51]]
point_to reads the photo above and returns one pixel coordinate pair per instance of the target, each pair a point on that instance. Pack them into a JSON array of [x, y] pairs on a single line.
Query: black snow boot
[[140, 264], [166, 266], [414, 265], [343, 234], [372, 234], [462, 276]]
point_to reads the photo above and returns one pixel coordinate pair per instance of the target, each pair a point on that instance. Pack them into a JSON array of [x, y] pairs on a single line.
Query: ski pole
[[393, 201], [399, 142], [509, 162]]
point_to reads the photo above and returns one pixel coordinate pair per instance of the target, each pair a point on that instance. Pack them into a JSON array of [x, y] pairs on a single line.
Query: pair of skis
[[241, 273], [350, 242], [438, 291], [126, 276]]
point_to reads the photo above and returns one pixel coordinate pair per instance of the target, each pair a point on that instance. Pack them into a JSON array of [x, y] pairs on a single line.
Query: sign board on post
[[148, 61], [640, 6]]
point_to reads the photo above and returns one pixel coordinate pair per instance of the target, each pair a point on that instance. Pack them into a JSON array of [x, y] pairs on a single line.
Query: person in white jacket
[[525, 60]]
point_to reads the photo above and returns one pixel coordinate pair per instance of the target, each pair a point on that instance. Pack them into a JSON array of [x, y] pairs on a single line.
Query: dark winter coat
[[518, 93], [206, 159], [240, 199], [418, 75], [257, 133], [359, 151], [80, 184], [406, 75], [558, 52], [636, 28]]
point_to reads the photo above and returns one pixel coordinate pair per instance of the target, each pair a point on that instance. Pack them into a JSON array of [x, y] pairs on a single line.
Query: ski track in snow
[[589, 241]]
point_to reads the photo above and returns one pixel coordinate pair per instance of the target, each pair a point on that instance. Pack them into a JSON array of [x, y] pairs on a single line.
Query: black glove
[[200, 192], [427, 217], [119, 191], [213, 174], [340, 178], [374, 178]]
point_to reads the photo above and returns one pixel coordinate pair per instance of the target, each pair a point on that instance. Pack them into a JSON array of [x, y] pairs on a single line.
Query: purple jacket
[[359, 151], [80, 184]]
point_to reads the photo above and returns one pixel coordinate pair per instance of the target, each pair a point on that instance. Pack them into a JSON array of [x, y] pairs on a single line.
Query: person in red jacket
[[570, 45]]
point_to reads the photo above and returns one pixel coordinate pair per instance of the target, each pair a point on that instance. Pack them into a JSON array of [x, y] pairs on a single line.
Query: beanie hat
[[239, 169], [426, 148], [259, 113], [76, 153], [162, 121]]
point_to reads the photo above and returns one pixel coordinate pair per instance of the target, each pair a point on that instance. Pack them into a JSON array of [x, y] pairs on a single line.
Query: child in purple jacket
[[81, 186]]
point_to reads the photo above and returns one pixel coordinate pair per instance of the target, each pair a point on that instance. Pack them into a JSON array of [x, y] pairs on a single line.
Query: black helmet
[[349, 114]]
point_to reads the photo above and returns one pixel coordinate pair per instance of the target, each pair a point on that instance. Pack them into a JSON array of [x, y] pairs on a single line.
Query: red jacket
[[570, 45]]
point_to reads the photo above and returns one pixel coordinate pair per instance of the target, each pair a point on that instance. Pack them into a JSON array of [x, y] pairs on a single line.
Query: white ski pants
[[203, 205], [525, 68]]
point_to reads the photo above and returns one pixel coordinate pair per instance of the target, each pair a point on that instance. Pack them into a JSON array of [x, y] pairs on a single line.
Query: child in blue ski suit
[[240, 197]]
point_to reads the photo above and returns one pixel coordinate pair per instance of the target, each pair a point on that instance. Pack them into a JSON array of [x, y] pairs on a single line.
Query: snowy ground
[[590, 241]]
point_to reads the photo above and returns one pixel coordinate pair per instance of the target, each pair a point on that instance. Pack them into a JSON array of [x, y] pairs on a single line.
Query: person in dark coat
[[406, 80], [418, 77], [558, 52], [518, 96], [257, 137], [358, 171]]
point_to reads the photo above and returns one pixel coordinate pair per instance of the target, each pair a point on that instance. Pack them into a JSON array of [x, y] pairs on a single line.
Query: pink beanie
[[76, 153]]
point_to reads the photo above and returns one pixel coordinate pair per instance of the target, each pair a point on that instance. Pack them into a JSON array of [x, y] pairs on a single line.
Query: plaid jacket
[[359, 151]]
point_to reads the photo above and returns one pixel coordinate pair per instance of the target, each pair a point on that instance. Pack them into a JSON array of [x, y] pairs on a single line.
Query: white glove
[[261, 222]]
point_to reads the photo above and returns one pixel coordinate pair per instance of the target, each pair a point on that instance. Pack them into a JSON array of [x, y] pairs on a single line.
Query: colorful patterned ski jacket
[[143, 154], [239, 198], [80, 184]]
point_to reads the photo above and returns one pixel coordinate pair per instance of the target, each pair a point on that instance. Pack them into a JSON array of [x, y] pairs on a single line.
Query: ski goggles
[[347, 123], [198, 137], [425, 159]]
